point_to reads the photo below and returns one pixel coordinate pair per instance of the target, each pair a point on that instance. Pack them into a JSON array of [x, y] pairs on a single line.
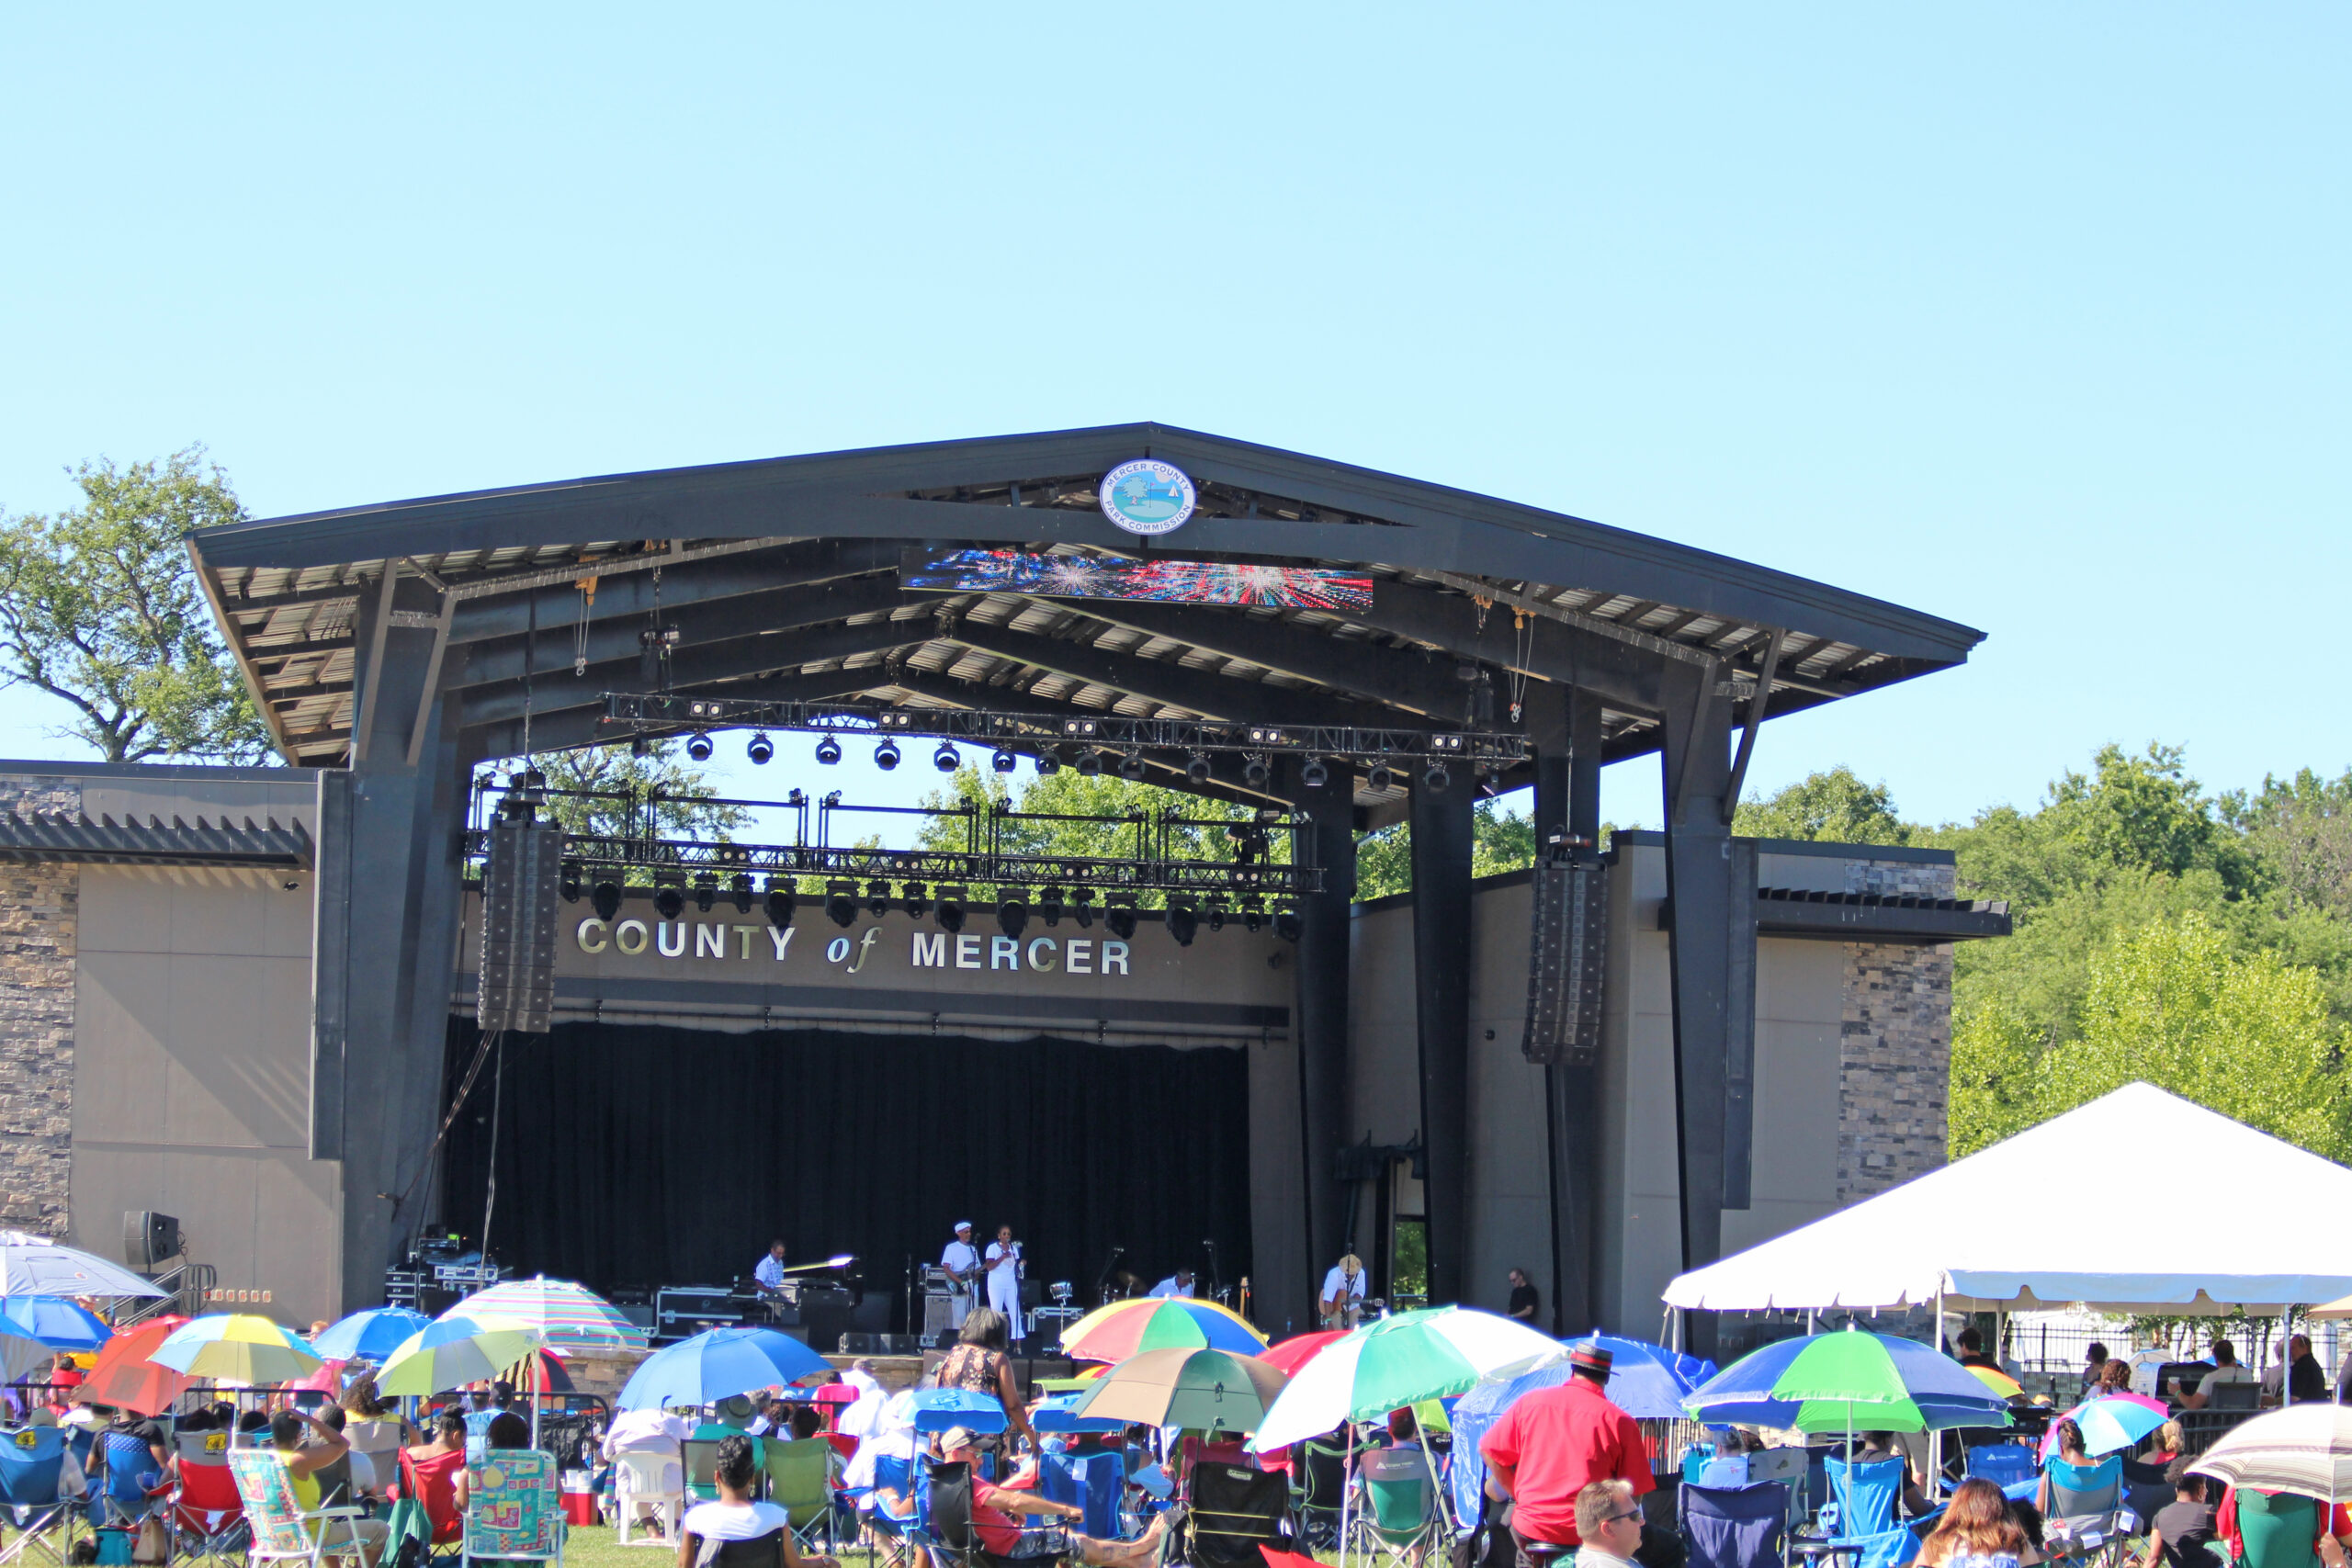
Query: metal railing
[[188, 1286]]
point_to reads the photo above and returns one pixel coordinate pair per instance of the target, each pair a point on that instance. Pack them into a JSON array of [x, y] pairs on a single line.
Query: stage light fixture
[[1315, 774], [570, 883], [945, 759], [1131, 765], [841, 902], [1381, 780], [1090, 764], [1080, 728], [1003, 761], [1197, 767], [1084, 913], [669, 902], [1436, 777], [828, 750], [897, 718], [640, 745], [760, 748], [1012, 912], [1049, 907], [1182, 923], [706, 892], [1216, 917], [1049, 762], [779, 903], [1287, 924], [877, 898], [1253, 915], [918, 899], [738, 887], [1121, 918], [699, 747], [607, 898], [1451, 743], [950, 910], [886, 756], [1255, 770]]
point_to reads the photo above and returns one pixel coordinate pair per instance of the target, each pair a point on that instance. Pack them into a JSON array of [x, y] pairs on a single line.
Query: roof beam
[[1156, 681], [734, 659], [637, 593], [1371, 670], [581, 726], [1627, 676], [612, 636]]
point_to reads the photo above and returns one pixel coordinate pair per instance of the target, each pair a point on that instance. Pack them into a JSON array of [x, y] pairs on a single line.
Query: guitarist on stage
[[961, 1263]]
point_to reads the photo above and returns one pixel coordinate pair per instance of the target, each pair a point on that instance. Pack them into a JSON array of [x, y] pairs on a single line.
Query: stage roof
[[782, 578]]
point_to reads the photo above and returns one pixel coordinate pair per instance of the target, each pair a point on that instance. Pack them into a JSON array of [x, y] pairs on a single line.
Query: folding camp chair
[[2276, 1530], [1093, 1482], [1734, 1528], [281, 1528], [433, 1487], [890, 1525], [514, 1508], [208, 1518], [2002, 1464], [948, 1528], [2086, 1517], [128, 1482], [652, 1480], [1233, 1511], [1318, 1484], [800, 1482], [33, 1461], [1395, 1515]]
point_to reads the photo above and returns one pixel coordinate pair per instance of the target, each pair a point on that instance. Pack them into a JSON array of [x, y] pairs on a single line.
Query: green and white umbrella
[[1398, 1361]]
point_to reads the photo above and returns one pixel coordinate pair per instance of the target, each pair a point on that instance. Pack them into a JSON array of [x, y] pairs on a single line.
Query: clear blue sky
[[2031, 316]]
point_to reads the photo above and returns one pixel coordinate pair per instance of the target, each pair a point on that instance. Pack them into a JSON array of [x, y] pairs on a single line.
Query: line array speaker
[[518, 916], [1567, 963]]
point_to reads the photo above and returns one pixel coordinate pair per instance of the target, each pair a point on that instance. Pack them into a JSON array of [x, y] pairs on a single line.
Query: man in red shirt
[[1553, 1442]]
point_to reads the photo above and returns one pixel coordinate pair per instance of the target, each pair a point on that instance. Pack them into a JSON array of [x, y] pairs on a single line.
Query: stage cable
[[464, 1090], [490, 1190]]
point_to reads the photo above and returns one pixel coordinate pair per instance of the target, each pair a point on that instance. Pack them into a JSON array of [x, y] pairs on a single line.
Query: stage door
[[638, 1155]]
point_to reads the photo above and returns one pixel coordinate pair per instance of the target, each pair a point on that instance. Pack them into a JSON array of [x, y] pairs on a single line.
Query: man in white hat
[[962, 1261]]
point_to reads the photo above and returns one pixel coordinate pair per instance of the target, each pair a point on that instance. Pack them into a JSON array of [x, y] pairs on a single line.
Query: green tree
[[99, 607], [1996, 1077], [679, 793], [1835, 806], [1500, 841], [2300, 831], [2248, 1036]]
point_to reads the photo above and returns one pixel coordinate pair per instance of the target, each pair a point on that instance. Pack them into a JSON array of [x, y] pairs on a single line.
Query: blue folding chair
[[2002, 1464], [1740, 1527], [32, 1464], [1093, 1482], [125, 1492], [1864, 1495]]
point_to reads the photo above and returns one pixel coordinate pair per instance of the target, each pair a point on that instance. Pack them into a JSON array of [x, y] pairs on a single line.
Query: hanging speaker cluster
[[520, 888], [1567, 963]]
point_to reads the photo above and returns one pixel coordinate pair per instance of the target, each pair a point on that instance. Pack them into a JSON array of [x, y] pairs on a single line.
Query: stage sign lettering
[[1158, 581], [750, 941]]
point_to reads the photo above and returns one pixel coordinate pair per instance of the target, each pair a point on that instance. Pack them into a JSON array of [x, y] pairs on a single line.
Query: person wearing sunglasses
[[1610, 1524]]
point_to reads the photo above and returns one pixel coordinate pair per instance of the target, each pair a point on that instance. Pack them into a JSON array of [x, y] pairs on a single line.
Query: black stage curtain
[[637, 1155]]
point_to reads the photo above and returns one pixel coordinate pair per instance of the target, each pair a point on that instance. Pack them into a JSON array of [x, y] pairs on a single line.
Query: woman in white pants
[[1003, 1260]]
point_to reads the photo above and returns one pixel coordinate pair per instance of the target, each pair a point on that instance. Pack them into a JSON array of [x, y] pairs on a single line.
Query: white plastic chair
[[653, 1481]]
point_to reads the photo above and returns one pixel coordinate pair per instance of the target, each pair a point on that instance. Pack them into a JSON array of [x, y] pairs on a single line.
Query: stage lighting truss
[[1212, 861], [630, 713]]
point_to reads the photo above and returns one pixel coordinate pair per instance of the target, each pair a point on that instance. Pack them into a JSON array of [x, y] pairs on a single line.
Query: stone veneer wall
[[38, 919], [1895, 1047]]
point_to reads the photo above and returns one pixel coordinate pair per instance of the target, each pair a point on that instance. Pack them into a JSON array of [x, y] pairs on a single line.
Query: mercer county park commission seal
[[1147, 496]]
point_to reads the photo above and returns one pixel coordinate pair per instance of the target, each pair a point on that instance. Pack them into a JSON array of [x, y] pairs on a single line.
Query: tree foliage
[[1500, 841], [99, 607], [1835, 806]]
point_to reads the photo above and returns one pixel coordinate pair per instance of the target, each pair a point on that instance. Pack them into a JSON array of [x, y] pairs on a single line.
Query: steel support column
[[1700, 869], [1319, 1023], [1564, 723], [1441, 841], [385, 946]]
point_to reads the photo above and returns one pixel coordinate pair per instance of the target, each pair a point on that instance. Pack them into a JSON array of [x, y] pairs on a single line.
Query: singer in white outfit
[[1003, 1260]]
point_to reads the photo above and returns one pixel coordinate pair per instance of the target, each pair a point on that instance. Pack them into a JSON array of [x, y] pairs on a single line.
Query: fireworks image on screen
[[1156, 582]]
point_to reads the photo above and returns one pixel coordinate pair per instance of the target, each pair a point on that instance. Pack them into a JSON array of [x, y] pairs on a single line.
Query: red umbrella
[[1300, 1349], [124, 1377]]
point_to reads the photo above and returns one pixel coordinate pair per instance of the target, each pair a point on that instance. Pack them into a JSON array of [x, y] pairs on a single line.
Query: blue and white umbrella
[[368, 1336], [57, 1323], [1645, 1380], [718, 1364]]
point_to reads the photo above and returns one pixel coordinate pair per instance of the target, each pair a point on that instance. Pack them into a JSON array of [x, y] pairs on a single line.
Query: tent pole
[[1936, 1343]]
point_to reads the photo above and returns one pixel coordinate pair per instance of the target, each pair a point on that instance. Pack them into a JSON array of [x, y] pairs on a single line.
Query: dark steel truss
[[663, 712]]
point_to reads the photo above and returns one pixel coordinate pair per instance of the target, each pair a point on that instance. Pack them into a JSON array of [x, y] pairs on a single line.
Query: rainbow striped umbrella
[[235, 1347], [1127, 1328], [570, 1318]]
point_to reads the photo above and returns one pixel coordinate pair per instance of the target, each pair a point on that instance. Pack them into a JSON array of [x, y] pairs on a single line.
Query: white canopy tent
[[2251, 1221]]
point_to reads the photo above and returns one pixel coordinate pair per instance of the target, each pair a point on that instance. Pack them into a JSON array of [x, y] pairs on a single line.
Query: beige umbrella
[[2304, 1449], [2340, 1307], [1198, 1389]]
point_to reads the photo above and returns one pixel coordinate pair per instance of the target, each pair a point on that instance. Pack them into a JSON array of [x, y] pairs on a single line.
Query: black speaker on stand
[[149, 1239]]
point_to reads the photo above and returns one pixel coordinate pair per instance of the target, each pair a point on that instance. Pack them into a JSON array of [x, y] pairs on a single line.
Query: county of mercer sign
[[752, 941]]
